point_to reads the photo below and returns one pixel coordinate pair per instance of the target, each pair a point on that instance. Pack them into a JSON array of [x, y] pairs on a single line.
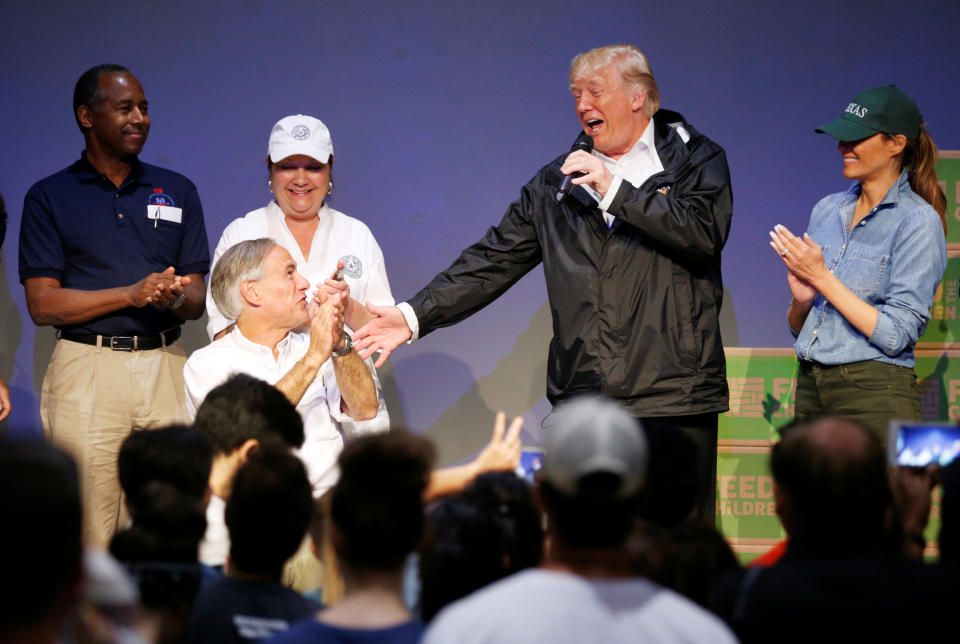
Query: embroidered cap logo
[[300, 133]]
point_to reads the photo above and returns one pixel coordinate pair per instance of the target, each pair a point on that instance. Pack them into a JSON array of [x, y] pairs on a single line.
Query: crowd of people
[[256, 491], [582, 554]]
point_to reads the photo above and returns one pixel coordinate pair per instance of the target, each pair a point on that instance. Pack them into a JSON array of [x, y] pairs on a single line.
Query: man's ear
[[85, 116], [250, 292], [638, 100], [249, 447]]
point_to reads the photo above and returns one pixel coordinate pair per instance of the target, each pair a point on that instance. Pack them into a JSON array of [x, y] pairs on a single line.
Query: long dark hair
[[920, 159]]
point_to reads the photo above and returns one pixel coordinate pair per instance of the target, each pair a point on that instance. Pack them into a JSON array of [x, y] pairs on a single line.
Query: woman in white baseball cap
[[322, 241], [863, 276]]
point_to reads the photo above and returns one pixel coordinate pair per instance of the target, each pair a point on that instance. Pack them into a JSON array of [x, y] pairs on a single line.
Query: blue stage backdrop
[[439, 112]]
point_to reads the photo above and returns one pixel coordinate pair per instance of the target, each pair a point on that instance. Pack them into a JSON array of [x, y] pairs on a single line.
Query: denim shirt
[[893, 260]]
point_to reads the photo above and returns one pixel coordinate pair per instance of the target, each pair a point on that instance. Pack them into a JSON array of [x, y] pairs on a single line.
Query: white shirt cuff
[[411, 319], [611, 193]]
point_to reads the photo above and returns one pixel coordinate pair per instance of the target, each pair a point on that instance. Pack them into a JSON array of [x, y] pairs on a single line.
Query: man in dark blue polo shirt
[[112, 253]]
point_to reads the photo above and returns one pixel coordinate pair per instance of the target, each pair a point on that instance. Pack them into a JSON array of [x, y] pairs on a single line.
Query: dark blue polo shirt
[[82, 230]]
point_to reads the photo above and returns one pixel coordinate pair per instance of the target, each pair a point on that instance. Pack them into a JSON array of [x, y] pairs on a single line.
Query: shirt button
[[815, 332], [117, 195], [120, 216]]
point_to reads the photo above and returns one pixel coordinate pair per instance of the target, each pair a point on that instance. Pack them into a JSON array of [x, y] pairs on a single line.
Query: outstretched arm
[[384, 333], [501, 453]]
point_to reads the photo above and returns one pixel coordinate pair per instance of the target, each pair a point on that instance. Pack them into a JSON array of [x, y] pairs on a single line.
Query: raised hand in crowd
[[501, 453]]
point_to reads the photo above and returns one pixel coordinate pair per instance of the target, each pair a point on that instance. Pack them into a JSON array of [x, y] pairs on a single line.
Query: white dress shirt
[[320, 406], [338, 237]]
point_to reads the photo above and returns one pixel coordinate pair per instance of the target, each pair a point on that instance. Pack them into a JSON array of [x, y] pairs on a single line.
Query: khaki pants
[[92, 398]]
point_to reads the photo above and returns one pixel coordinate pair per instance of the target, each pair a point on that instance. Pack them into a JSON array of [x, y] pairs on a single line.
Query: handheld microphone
[[584, 142]]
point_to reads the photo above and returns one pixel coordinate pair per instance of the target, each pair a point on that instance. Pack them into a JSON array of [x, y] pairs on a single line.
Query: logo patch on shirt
[[352, 266], [160, 206], [663, 189], [158, 198]]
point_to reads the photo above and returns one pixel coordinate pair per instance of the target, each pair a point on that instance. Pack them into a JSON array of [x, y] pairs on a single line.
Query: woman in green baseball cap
[[863, 276]]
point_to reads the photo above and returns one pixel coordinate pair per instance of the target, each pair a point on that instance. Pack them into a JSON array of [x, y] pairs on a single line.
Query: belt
[[813, 364], [125, 342]]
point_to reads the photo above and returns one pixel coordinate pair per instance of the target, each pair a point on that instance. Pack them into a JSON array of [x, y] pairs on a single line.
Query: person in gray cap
[[863, 276], [593, 472]]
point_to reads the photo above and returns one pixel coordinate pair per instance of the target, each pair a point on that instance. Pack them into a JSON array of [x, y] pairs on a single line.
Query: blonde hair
[[635, 73]]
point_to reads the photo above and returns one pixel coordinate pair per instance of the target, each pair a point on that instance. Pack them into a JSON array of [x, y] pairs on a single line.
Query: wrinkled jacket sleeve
[[485, 270], [692, 220]]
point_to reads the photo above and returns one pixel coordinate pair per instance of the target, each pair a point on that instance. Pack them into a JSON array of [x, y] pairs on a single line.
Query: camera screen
[[919, 445], [531, 459]]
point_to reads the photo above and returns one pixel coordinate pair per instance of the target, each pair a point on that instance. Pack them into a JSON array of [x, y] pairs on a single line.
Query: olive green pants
[[871, 392]]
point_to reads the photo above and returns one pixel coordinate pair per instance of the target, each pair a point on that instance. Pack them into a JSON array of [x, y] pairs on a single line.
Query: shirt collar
[[644, 145], [901, 185], [85, 171], [274, 208], [243, 342]]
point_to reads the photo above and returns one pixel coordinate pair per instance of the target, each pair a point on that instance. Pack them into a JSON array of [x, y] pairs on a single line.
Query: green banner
[[944, 325], [763, 385], [762, 398], [948, 174]]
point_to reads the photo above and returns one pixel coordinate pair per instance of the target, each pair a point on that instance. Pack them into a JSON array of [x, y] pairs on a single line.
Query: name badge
[[166, 213]]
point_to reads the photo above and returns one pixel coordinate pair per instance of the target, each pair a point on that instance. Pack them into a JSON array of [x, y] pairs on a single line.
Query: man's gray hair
[[242, 262], [635, 73]]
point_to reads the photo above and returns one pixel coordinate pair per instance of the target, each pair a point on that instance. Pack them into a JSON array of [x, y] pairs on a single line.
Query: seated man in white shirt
[[257, 283]]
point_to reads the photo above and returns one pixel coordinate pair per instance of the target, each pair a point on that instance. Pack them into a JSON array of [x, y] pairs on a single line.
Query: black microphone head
[[584, 142]]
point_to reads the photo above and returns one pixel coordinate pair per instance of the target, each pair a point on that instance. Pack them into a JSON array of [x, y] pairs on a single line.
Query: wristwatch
[[179, 301], [346, 348]]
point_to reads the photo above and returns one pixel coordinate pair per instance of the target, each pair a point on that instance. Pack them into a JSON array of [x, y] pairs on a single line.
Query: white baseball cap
[[300, 134]]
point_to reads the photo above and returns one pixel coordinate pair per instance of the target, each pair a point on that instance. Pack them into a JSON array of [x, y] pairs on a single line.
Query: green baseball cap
[[880, 109]]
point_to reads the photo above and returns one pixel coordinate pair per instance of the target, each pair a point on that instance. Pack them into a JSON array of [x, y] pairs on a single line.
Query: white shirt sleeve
[[378, 287], [411, 319], [604, 204], [200, 375]]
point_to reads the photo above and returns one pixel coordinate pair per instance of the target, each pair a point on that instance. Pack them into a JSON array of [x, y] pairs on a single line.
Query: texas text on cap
[[880, 109], [591, 435], [300, 134]]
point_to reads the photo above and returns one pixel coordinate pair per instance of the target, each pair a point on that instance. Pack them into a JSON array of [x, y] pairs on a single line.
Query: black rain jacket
[[635, 307]]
